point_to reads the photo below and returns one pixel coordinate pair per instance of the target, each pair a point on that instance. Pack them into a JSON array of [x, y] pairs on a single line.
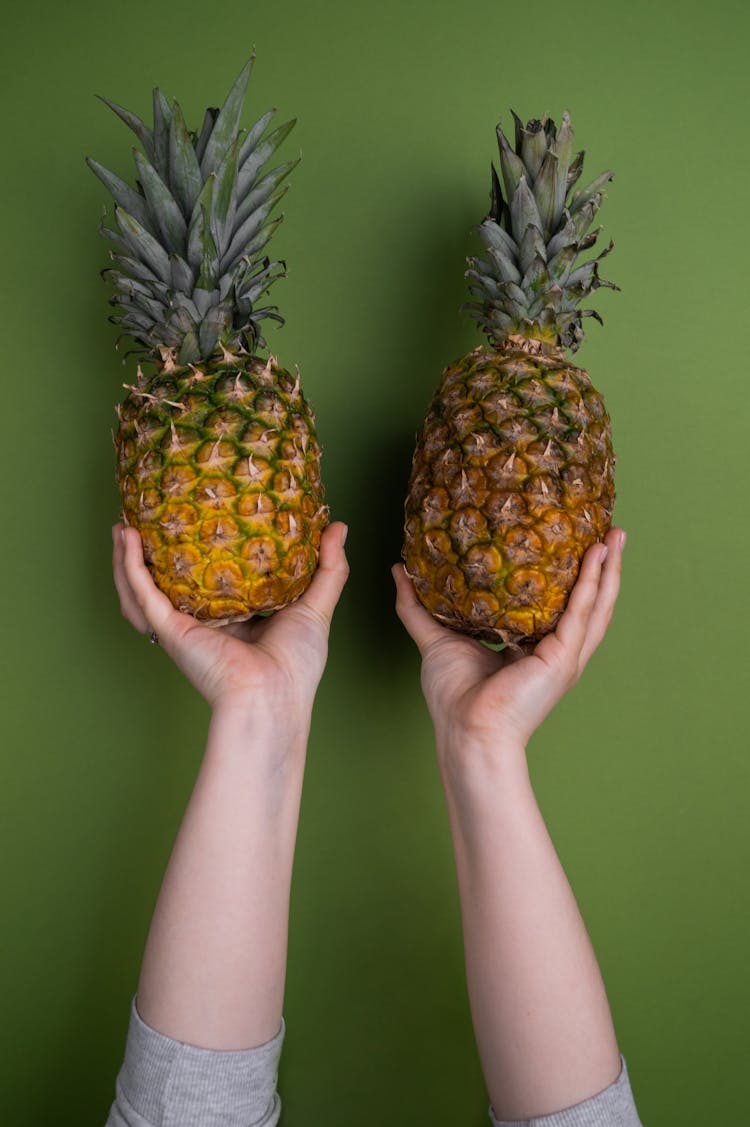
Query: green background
[[642, 772]]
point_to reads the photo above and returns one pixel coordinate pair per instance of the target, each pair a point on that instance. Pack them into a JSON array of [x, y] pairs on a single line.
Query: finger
[[319, 600], [609, 587], [419, 623], [128, 604], [571, 630], [332, 573], [155, 607]]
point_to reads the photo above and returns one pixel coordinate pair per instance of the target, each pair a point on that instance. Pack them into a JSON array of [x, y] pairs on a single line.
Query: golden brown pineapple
[[512, 478], [218, 461], [225, 490]]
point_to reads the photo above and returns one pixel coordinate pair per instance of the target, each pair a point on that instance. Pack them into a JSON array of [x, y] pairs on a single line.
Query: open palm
[[277, 660], [478, 693]]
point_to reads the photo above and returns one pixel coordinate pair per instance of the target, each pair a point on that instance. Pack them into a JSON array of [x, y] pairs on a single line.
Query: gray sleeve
[[164, 1083], [614, 1107]]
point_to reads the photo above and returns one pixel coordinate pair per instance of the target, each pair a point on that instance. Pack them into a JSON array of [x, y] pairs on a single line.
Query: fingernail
[[122, 535], [344, 535], [623, 538], [605, 553]]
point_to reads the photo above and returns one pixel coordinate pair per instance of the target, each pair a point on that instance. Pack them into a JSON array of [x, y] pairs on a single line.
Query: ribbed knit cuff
[[170, 1084], [614, 1107]]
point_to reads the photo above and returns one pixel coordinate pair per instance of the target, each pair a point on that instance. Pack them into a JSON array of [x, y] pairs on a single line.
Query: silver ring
[[153, 638]]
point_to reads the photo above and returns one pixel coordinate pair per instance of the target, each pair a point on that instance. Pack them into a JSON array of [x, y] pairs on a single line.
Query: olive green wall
[[642, 772]]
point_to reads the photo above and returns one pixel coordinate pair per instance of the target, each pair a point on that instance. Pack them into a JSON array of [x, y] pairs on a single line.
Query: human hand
[[273, 663], [476, 695]]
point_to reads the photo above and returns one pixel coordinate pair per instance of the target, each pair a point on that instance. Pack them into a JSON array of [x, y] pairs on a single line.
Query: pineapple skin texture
[[219, 470], [512, 481]]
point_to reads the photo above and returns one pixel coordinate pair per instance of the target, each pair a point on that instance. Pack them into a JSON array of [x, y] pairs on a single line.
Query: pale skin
[[214, 966], [215, 960], [541, 1018]]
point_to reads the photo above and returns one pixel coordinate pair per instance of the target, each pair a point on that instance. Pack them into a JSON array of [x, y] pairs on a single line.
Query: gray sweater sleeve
[[164, 1083], [614, 1107]]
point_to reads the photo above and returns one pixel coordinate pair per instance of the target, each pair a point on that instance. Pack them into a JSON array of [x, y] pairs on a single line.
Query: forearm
[[540, 1012], [214, 966]]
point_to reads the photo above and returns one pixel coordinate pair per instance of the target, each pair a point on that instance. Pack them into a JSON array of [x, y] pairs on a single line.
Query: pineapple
[[218, 462], [512, 478]]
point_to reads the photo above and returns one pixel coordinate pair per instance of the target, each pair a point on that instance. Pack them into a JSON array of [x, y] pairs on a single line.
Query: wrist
[[255, 729], [474, 771]]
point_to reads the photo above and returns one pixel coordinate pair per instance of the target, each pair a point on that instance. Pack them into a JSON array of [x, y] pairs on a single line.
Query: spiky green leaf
[[213, 327], [593, 189], [511, 165], [262, 153], [142, 132], [209, 120], [263, 190], [532, 246], [185, 311], [504, 267], [183, 278], [524, 212], [560, 265], [123, 194], [209, 274], [162, 120], [253, 136], [166, 215], [566, 236], [224, 199], [544, 192], [134, 268], [243, 237], [564, 151], [583, 217], [143, 245], [184, 171], [533, 148], [226, 125], [492, 235], [262, 238], [204, 300], [195, 229], [536, 277], [575, 170], [498, 208], [189, 349]]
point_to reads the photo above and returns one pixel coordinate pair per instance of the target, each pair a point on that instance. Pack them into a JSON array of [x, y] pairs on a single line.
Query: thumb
[[332, 573], [419, 623]]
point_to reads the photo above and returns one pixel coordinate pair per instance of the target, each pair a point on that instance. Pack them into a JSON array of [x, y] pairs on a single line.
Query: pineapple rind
[[219, 470], [512, 481]]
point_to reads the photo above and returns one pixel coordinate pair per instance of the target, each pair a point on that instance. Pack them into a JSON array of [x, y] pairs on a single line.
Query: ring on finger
[[153, 638]]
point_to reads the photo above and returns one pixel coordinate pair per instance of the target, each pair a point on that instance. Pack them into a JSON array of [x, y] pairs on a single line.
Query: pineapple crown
[[188, 264], [530, 283]]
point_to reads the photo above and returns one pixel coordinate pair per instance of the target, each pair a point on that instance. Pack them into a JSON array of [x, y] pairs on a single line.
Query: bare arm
[[214, 966], [539, 1008]]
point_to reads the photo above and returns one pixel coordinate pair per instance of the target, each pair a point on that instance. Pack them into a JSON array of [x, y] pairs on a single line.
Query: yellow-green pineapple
[[512, 477], [218, 462]]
